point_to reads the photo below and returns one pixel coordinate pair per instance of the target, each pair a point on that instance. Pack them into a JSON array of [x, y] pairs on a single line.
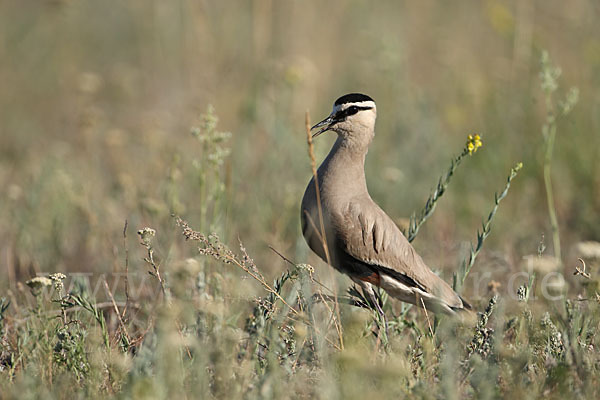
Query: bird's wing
[[369, 236]]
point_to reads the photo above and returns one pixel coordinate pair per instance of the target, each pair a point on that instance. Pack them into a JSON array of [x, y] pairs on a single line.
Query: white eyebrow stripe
[[370, 104]]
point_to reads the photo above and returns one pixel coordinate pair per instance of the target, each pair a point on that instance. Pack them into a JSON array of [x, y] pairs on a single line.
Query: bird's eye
[[352, 110]]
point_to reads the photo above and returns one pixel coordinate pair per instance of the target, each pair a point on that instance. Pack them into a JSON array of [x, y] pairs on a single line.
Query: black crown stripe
[[352, 98]]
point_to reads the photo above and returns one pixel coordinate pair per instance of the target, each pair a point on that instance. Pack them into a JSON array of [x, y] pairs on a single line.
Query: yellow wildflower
[[473, 143]]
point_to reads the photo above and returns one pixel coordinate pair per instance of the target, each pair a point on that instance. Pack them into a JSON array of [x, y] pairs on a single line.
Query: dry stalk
[[579, 271], [313, 164], [315, 281], [225, 255], [146, 236], [427, 316], [116, 308], [126, 269]]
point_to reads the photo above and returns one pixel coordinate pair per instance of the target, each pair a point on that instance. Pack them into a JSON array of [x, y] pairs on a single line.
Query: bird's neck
[[344, 168]]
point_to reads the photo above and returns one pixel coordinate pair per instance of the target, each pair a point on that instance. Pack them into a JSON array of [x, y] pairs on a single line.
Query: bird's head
[[353, 118]]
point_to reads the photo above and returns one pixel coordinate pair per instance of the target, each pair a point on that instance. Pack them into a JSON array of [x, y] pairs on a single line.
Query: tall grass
[[549, 77], [197, 337], [105, 121]]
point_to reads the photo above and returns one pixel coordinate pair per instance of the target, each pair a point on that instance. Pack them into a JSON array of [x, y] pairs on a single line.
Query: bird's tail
[[466, 313], [440, 305], [438, 297], [466, 305]]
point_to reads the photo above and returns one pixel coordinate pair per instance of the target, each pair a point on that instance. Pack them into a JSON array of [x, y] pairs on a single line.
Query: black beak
[[324, 125]]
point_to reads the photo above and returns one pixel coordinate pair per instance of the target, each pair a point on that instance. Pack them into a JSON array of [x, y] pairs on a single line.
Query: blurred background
[[98, 100]]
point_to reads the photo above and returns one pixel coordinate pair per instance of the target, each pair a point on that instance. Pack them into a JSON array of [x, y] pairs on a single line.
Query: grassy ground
[[115, 116]]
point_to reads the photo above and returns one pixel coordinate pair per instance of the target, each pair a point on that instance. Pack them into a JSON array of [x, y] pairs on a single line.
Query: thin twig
[[220, 252], [311, 275], [156, 273], [112, 299], [313, 165], [126, 269], [146, 236], [282, 256], [579, 271], [227, 256], [427, 316], [234, 261]]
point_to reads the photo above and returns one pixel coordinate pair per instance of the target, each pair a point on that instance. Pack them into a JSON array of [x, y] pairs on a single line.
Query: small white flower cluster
[[39, 282], [58, 278], [146, 234]]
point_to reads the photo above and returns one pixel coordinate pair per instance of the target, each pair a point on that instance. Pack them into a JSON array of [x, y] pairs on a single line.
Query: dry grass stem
[[220, 252], [116, 308], [126, 248], [426, 316], [579, 271], [323, 236]]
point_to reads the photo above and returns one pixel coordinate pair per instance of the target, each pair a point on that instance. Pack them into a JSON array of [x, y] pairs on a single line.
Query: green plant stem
[[460, 277], [416, 222], [550, 137], [71, 300]]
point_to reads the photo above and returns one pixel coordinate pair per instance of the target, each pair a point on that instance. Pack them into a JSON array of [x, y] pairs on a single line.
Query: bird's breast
[[319, 223]]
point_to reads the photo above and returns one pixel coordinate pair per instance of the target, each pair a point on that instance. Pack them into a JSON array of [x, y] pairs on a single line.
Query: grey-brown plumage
[[362, 241]]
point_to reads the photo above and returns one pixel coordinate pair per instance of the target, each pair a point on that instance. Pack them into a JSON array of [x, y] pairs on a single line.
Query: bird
[[344, 226]]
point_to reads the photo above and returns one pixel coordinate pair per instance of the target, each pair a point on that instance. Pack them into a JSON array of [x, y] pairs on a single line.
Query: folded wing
[[370, 239]]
